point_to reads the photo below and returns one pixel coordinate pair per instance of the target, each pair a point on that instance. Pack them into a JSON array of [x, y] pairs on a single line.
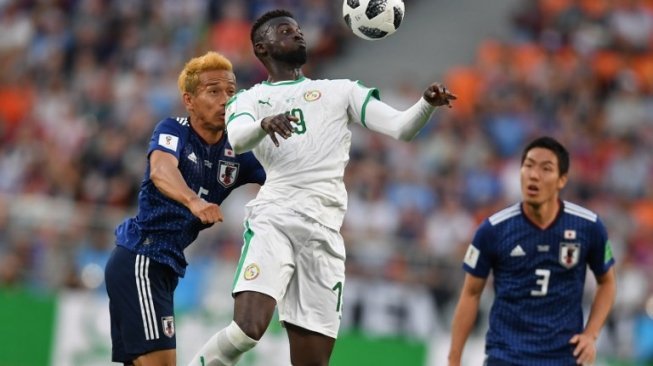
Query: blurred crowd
[[579, 70], [84, 81]]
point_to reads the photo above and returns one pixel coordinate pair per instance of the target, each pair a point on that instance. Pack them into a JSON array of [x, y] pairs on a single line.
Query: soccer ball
[[373, 19]]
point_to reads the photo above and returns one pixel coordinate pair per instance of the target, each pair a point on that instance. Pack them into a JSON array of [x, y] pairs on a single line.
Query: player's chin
[[218, 124], [532, 200]]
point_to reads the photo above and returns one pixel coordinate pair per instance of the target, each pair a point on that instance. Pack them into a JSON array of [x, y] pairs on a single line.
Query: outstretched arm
[[168, 179], [465, 316], [585, 351], [404, 125]]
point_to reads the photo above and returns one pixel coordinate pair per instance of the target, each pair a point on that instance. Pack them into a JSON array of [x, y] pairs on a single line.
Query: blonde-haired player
[[192, 168]]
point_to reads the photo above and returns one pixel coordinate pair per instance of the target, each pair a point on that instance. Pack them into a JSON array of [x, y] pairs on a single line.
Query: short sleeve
[[167, 137], [600, 258], [478, 258], [359, 97]]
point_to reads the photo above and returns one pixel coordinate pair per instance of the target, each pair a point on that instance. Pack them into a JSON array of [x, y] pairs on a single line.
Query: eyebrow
[[286, 22], [218, 80], [545, 162]]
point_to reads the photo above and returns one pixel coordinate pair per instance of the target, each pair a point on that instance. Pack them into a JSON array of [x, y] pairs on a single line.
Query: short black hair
[[554, 146], [276, 13]]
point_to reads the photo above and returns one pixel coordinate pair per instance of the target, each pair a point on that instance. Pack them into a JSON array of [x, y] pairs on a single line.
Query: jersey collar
[[285, 82], [561, 210]]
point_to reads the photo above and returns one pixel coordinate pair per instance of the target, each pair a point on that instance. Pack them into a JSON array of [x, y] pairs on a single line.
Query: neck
[[543, 214], [283, 73], [209, 136]]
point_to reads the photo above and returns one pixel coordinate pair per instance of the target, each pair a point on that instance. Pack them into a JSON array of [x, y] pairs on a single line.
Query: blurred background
[[83, 82]]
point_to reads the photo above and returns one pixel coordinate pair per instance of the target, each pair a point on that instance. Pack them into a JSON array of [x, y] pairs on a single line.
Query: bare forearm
[[170, 182], [461, 326], [603, 301]]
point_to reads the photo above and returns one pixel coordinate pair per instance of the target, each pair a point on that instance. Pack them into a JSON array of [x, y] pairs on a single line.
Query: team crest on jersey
[[251, 272], [168, 324], [227, 173], [569, 254], [312, 95]]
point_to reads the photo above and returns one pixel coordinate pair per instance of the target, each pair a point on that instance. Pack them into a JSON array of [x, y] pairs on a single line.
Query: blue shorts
[[140, 305]]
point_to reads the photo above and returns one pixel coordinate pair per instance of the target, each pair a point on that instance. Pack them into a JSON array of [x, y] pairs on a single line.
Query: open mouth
[[532, 189]]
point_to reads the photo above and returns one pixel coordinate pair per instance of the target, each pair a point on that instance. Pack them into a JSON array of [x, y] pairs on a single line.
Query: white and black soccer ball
[[373, 19]]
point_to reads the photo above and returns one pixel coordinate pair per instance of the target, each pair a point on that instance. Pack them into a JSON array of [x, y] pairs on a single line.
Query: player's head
[[544, 168], [206, 83], [277, 38]]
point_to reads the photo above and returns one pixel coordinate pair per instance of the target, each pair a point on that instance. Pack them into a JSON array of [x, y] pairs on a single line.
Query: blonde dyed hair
[[189, 78]]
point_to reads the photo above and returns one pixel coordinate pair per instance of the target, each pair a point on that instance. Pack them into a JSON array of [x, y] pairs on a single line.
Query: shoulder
[[340, 84], [580, 211], [504, 215], [170, 133], [495, 224], [236, 96], [584, 219], [172, 129], [244, 94], [179, 123]]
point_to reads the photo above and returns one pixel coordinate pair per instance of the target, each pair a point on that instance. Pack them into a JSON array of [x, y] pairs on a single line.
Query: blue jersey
[[163, 228], [539, 275]]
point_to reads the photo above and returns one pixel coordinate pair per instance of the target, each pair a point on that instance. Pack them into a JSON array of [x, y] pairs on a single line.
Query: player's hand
[[208, 213], [438, 95], [279, 124], [585, 351]]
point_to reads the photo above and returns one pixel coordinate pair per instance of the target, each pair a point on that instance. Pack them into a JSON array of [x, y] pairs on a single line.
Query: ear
[[259, 49], [186, 98], [562, 182]]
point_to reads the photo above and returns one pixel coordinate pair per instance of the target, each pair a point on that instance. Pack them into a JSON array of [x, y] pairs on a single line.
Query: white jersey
[[305, 173]]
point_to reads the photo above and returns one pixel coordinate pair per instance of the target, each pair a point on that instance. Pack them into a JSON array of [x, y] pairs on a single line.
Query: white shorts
[[297, 261]]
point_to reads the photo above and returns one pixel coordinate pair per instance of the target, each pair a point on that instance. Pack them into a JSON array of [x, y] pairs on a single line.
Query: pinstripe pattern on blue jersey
[[163, 228], [538, 299]]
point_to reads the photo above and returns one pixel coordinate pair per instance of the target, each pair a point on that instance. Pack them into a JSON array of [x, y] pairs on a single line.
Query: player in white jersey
[[294, 255]]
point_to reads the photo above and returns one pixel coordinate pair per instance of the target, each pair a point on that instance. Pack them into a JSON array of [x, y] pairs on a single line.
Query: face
[[284, 41], [540, 180], [207, 106]]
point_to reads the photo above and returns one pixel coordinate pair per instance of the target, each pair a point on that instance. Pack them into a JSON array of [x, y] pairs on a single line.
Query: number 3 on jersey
[[300, 129], [543, 276]]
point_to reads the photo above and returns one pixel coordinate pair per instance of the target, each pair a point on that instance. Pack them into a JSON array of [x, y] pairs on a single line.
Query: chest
[[211, 171], [560, 250], [319, 111]]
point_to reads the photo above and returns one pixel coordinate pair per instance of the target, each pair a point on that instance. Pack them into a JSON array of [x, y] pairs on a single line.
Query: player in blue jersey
[[192, 169], [538, 252]]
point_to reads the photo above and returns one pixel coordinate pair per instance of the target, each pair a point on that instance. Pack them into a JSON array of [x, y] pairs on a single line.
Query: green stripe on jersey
[[285, 82], [247, 238], [372, 93], [608, 252], [233, 98], [234, 116]]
